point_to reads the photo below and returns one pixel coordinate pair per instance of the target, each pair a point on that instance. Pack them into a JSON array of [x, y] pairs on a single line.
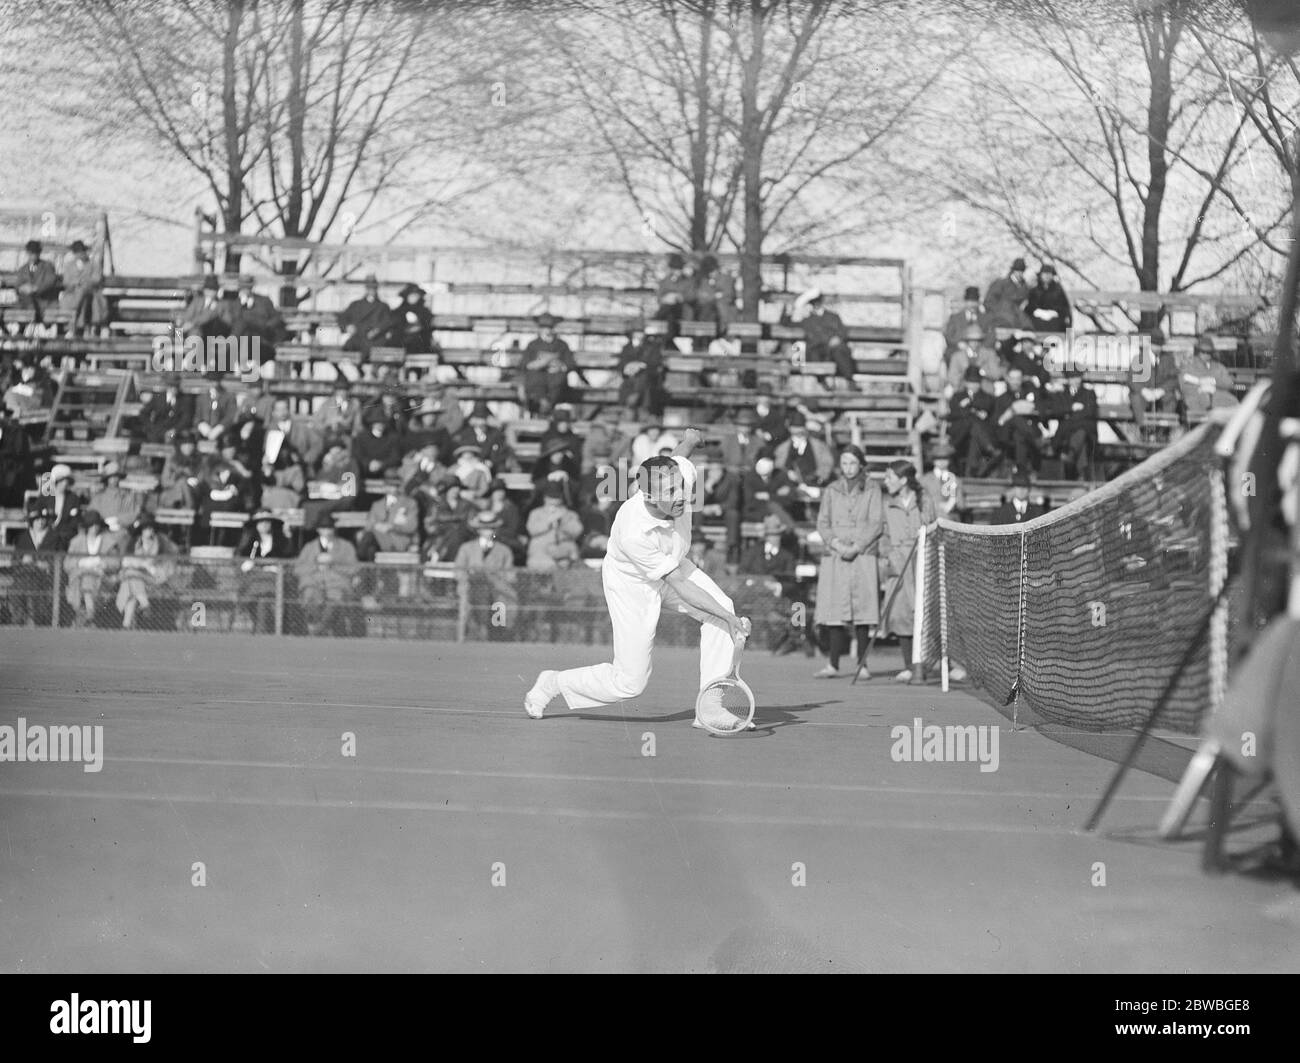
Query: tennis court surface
[[463, 836]]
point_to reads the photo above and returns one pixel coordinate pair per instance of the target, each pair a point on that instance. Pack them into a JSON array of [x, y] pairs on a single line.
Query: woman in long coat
[[907, 508], [850, 522]]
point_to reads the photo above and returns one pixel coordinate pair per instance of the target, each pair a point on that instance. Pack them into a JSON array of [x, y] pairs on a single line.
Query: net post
[[279, 599], [54, 605], [943, 616]]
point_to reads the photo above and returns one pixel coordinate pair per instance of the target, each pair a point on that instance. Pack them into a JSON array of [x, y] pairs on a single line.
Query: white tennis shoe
[[544, 691]]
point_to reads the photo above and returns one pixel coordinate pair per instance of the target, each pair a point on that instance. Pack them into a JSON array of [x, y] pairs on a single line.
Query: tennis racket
[[726, 705]]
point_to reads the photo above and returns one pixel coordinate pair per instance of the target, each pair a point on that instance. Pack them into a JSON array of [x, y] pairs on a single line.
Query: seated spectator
[[484, 550], [225, 488], [16, 468], [413, 322], [145, 570], [27, 597], [366, 322], [718, 497], [509, 521], [182, 475], [326, 570], [256, 317], [420, 470], [741, 444], [1048, 307], [675, 295], [1204, 382], [715, 293], [942, 484], [652, 440], [1018, 509], [973, 351], [970, 427], [446, 525], [472, 472], [554, 531], [304, 443], [547, 363], [167, 412], [392, 527], [281, 484], [770, 565], [119, 507], [214, 411], [1075, 437], [772, 424], [423, 430], [641, 369], [559, 463], [247, 431], [66, 503], [31, 391], [391, 409], [377, 448], [766, 490], [83, 295], [263, 539], [340, 417], [491, 441], [804, 458], [1024, 352], [205, 316], [605, 443], [339, 476], [597, 521], [1016, 421], [36, 281], [825, 337], [1004, 302], [93, 554], [969, 314]]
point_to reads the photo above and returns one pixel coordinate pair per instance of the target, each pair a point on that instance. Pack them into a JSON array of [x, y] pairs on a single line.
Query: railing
[[407, 600]]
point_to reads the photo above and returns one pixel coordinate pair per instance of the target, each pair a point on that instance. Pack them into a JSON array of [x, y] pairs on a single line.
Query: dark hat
[[972, 295], [78, 246], [553, 489], [92, 517], [1021, 478], [325, 520], [973, 374], [480, 409], [856, 451], [546, 320], [675, 260], [497, 484], [1047, 267], [341, 384], [245, 280], [265, 514], [39, 508], [370, 280], [447, 481], [468, 448], [941, 449], [485, 521], [796, 419], [708, 261], [562, 412], [34, 246], [746, 417], [144, 520], [1019, 266], [408, 289], [557, 445], [1205, 342], [210, 283], [1072, 371], [186, 435]]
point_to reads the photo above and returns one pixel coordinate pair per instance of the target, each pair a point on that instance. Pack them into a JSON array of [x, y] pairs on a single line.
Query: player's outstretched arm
[[691, 439], [706, 603]]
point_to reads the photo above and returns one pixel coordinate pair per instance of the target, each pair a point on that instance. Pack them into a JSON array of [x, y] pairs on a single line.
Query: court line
[[1035, 830], [755, 784]]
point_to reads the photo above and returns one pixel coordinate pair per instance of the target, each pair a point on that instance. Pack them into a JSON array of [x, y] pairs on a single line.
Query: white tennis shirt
[[645, 547]]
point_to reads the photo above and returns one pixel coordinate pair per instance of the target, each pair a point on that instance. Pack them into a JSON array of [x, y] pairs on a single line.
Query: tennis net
[[1098, 613]]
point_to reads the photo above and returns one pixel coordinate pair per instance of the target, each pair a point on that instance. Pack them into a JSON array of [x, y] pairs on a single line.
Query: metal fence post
[[279, 599], [54, 610]]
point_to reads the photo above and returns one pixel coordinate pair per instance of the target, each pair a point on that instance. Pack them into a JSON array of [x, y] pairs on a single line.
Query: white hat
[[807, 297], [60, 472]]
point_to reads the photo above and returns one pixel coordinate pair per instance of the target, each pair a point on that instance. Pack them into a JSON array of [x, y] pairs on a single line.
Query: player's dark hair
[[907, 471], [652, 471]]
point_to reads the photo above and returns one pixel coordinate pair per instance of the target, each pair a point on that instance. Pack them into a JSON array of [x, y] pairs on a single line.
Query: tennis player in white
[[645, 569]]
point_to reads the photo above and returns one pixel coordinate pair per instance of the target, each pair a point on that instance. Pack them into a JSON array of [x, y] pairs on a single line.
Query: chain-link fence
[[298, 596]]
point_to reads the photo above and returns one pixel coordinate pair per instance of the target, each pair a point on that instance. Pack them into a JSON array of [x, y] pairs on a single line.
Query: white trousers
[[634, 608]]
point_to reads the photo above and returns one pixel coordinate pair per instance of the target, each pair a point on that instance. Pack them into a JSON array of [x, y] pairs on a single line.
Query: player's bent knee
[[630, 686]]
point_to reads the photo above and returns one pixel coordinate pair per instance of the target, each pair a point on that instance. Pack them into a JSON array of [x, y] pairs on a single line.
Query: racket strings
[[726, 705]]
